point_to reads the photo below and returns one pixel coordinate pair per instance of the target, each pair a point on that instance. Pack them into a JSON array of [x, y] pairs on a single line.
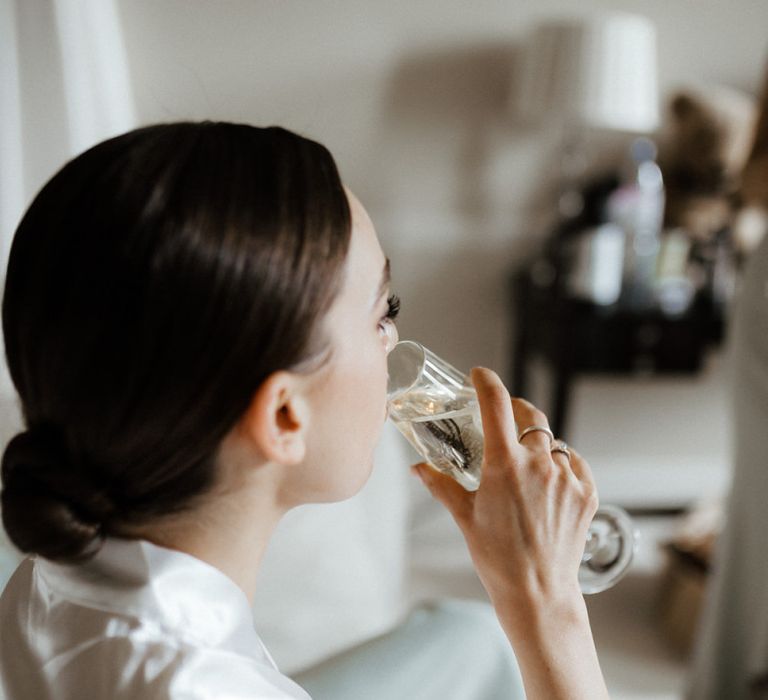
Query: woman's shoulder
[[126, 667], [205, 673], [83, 648], [132, 667]]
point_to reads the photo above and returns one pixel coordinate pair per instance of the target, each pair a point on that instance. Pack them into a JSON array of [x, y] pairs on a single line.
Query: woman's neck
[[229, 530]]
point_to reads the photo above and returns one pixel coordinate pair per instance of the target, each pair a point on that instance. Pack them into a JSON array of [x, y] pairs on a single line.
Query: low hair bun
[[47, 506]]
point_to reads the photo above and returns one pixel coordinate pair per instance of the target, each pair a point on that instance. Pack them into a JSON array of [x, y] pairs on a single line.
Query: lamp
[[597, 72]]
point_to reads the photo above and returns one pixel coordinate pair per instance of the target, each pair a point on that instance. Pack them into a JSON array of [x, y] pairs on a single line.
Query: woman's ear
[[277, 418]]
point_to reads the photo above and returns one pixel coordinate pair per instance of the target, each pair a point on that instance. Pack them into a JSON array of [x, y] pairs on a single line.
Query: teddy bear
[[703, 151]]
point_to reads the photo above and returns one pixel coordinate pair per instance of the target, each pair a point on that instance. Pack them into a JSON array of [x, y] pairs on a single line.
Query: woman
[[197, 318]]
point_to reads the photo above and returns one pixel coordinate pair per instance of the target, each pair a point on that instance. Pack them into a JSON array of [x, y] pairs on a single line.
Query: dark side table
[[575, 337]]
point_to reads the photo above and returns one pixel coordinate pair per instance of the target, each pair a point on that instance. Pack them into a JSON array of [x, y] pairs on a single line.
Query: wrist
[[536, 612], [553, 643]]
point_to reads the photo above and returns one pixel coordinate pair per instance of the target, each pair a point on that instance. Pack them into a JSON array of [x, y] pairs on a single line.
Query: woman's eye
[[393, 307], [387, 323]]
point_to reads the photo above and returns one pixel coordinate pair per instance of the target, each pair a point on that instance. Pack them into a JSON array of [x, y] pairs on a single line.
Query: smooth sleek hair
[[154, 283]]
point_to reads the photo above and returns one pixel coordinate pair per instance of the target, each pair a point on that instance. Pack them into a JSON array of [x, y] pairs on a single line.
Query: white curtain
[[64, 86]]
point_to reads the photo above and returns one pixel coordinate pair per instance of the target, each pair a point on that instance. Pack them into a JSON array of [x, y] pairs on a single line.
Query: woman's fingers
[[580, 467], [496, 412], [443, 488], [527, 417], [562, 460]]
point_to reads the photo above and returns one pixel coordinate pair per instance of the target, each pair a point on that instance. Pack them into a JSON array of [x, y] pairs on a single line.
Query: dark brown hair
[[152, 286]]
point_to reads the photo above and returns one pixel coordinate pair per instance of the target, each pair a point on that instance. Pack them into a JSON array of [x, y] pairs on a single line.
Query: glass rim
[[422, 350]]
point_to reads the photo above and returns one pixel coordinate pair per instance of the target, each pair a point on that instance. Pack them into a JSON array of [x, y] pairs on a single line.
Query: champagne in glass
[[450, 432]]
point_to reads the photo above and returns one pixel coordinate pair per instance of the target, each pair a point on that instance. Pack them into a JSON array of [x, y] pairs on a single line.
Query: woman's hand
[[527, 523], [526, 528]]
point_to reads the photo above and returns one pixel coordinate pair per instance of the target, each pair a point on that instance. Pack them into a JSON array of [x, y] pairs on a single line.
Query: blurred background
[[557, 185]]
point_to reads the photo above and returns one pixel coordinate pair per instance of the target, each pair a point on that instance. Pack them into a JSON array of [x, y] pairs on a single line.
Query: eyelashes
[[393, 307]]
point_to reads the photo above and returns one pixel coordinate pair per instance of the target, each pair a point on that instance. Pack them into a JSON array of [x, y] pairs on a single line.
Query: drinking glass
[[436, 408]]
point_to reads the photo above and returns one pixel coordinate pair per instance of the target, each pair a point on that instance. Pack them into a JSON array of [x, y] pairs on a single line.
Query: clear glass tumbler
[[436, 408]]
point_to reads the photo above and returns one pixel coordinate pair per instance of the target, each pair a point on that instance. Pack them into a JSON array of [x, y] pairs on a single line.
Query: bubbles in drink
[[448, 433]]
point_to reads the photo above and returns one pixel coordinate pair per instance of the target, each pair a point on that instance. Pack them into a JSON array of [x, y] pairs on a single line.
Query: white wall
[[410, 97]]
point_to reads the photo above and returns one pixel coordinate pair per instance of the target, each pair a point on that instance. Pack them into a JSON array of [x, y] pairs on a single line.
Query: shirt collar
[[185, 595]]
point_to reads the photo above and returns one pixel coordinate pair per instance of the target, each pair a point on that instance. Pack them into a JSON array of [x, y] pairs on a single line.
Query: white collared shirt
[[136, 621]]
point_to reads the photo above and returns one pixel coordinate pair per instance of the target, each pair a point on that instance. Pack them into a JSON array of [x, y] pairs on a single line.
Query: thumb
[[457, 500]]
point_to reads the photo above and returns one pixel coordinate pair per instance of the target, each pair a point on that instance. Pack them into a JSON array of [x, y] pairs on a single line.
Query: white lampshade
[[599, 72]]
